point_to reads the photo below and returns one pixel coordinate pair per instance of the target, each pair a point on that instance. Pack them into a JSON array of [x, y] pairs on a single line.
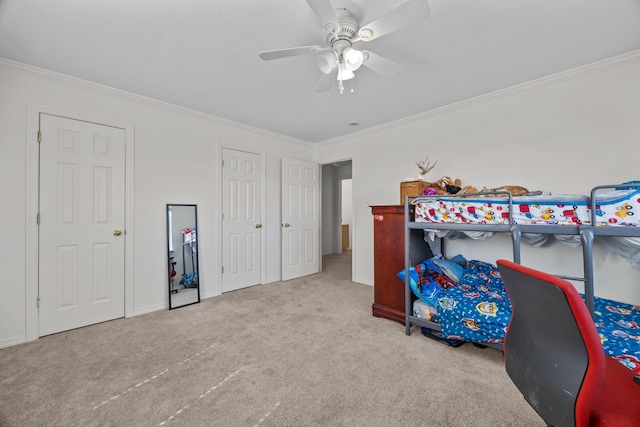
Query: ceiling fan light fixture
[[326, 62], [353, 59], [344, 73]]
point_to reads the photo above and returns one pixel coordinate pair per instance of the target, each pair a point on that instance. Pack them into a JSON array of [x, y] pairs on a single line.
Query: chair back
[[552, 350]]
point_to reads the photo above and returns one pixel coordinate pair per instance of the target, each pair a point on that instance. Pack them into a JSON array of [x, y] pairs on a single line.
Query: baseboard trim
[[149, 309], [8, 342], [209, 295], [272, 279]]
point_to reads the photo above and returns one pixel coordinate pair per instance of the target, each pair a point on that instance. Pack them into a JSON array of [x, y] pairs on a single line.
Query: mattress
[[613, 208]]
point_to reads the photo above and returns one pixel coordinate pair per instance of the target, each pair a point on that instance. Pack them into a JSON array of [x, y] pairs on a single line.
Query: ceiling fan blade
[[381, 65], [404, 15], [325, 82], [292, 51], [325, 14]]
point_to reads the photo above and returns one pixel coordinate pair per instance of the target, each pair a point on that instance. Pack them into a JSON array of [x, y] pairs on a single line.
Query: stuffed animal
[[468, 189], [515, 190], [446, 185]]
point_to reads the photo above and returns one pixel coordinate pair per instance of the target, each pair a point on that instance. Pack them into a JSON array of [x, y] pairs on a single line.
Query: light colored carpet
[[306, 352]]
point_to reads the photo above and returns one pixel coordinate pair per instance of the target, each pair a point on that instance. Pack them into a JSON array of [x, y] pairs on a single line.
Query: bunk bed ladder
[[587, 237], [516, 234]]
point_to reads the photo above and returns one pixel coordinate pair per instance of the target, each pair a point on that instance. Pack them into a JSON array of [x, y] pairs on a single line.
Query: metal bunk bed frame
[[587, 235]]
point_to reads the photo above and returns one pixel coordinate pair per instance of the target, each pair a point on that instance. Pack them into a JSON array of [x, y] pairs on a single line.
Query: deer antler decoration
[[425, 167]]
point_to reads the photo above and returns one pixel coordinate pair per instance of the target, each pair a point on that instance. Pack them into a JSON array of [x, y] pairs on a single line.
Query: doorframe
[[263, 202], [353, 206], [32, 200]]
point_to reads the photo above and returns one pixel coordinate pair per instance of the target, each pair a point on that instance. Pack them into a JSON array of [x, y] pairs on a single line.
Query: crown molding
[[582, 71], [101, 89]]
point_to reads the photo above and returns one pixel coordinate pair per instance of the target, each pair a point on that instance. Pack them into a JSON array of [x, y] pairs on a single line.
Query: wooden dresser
[[388, 259]]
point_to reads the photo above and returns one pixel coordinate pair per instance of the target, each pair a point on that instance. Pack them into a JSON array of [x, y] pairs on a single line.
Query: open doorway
[[346, 214], [337, 206]]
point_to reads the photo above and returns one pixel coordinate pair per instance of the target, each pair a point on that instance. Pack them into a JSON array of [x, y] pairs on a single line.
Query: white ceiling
[[203, 55]]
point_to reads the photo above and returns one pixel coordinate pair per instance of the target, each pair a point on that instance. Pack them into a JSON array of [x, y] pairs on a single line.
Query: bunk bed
[[610, 213]]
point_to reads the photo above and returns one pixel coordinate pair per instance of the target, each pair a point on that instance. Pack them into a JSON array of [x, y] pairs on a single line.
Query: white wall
[[563, 134], [163, 135]]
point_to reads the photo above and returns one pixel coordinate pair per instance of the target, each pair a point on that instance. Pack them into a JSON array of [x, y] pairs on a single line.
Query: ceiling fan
[[339, 59]]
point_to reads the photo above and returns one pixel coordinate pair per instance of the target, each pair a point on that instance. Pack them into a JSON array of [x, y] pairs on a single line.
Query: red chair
[[554, 356]]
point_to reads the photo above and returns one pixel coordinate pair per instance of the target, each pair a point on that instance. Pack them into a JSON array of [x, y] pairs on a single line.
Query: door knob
[[286, 224], [117, 232], [258, 225]]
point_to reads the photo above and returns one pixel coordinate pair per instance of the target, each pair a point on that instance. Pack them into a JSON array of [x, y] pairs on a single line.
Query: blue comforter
[[472, 305], [478, 308]]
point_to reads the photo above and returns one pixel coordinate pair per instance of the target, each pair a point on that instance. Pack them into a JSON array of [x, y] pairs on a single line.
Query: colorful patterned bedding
[[619, 327], [468, 300], [471, 306], [478, 309], [614, 207]]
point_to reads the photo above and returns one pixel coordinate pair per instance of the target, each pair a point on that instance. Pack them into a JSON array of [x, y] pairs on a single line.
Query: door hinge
[[222, 270], [38, 301], [38, 218], [39, 136], [223, 163]]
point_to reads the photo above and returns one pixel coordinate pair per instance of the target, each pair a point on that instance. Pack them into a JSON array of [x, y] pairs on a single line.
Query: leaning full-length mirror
[[182, 250]]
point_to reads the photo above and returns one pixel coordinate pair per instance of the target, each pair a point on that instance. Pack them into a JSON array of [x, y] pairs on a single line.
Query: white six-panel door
[[81, 231], [300, 218], [241, 219]]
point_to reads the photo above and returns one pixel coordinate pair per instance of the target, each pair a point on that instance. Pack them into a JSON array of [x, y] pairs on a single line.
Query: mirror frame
[[169, 268]]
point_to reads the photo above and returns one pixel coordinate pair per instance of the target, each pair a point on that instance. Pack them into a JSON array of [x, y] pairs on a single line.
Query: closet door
[[241, 219], [81, 231]]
